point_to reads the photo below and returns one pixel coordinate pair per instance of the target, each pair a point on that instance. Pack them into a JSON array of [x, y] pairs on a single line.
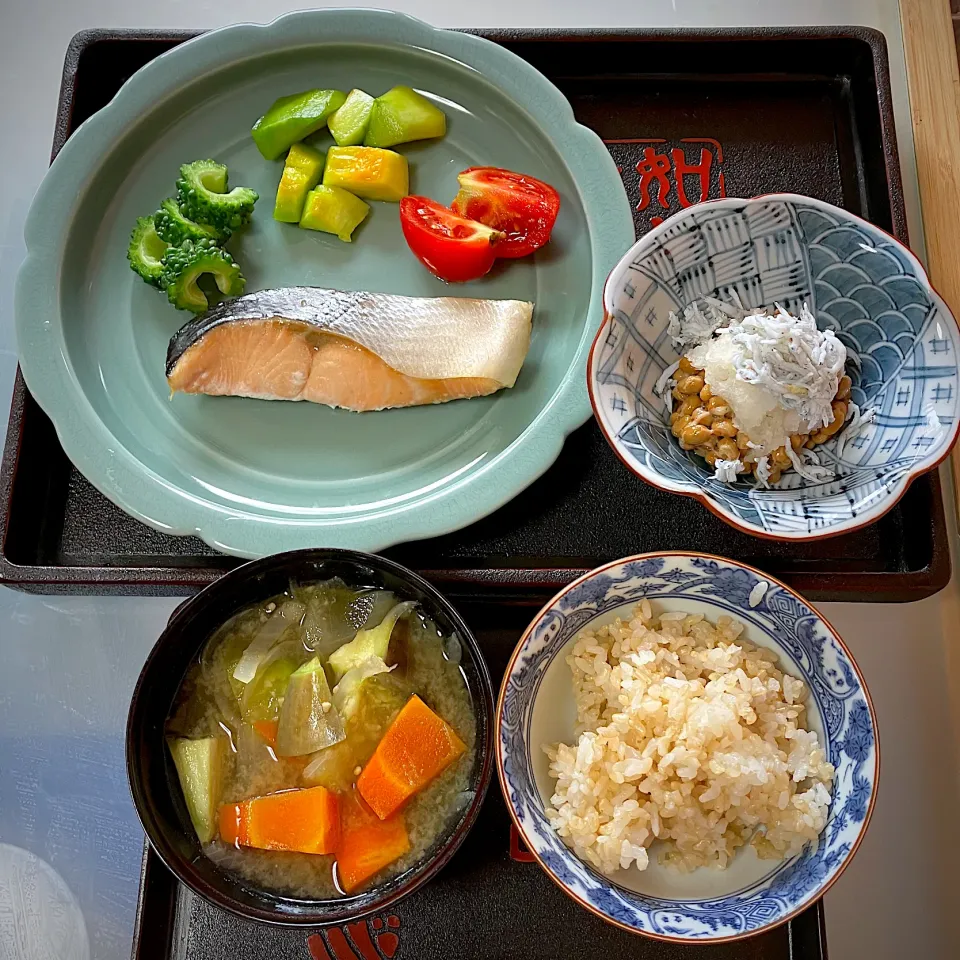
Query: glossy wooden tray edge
[[526, 586]]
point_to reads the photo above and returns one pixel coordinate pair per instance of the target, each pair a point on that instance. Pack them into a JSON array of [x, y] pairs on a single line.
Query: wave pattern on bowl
[[814, 655], [858, 281]]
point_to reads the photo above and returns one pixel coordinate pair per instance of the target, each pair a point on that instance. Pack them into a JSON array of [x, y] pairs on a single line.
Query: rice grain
[[690, 736]]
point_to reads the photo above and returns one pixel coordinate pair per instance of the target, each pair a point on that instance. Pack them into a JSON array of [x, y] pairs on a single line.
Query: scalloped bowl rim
[[553, 603], [156, 502], [655, 479]]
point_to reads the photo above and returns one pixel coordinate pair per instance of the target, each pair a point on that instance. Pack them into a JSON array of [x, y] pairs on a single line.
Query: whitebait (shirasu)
[[726, 470], [792, 359]]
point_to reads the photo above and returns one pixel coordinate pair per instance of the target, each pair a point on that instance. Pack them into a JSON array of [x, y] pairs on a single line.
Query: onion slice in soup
[[289, 615], [308, 719]]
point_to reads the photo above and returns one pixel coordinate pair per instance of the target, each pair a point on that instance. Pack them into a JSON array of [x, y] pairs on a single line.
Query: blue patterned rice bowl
[[902, 345], [536, 706]]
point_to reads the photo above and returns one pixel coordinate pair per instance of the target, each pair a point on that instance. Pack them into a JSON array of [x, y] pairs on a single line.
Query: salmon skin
[[361, 351]]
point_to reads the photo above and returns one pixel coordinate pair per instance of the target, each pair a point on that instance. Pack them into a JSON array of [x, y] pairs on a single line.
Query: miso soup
[[324, 740]]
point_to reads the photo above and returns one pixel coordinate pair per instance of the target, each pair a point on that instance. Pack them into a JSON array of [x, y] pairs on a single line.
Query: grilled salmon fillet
[[360, 351]]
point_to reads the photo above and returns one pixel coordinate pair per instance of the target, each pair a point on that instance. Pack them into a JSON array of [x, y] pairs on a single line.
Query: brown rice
[[687, 735]]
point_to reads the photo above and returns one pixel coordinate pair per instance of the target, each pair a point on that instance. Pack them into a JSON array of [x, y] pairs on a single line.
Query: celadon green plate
[[253, 477]]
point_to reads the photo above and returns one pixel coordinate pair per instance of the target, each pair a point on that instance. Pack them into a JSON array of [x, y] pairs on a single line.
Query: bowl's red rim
[[498, 749], [704, 498]]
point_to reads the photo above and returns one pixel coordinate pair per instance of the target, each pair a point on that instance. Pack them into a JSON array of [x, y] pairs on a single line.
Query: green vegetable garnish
[[402, 115], [292, 118], [183, 266], [333, 210], [146, 251], [349, 124], [202, 189], [174, 226]]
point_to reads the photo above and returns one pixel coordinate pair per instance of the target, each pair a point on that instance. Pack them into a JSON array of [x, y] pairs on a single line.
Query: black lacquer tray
[[491, 902], [688, 115]]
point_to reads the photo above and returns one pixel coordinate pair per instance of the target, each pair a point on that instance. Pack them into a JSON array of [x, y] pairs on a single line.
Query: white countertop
[[67, 665]]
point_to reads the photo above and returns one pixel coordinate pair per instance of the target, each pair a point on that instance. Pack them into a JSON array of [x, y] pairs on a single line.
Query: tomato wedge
[[451, 247], [523, 208]]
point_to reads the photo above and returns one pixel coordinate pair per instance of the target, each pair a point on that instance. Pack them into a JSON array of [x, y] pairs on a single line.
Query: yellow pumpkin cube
[[368, 172]]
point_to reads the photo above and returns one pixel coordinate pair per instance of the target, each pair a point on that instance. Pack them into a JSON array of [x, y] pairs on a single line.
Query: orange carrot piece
[[307, 821], [267, 730], [367, 844], [233, 824], [417, 746]]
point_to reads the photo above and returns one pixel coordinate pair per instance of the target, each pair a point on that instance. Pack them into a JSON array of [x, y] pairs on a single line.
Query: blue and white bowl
[[858, 281], [537, 706]]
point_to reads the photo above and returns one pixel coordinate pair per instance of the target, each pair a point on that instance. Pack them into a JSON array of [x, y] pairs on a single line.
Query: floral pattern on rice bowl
[[725, 906]]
